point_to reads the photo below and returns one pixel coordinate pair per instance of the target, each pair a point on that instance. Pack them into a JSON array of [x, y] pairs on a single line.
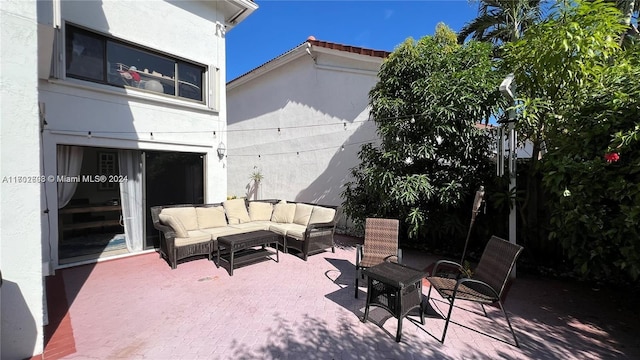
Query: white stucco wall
[[310, 102], [189, 30], [126, 118], [21, 295]]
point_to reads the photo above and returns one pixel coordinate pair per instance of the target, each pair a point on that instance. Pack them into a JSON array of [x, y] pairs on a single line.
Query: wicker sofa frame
[[317, 237], [167, 247]]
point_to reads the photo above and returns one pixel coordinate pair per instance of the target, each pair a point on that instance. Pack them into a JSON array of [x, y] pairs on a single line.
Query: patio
[[138, 308]]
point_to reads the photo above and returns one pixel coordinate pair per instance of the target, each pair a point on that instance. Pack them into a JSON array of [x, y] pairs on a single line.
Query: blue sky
[[278, 26]]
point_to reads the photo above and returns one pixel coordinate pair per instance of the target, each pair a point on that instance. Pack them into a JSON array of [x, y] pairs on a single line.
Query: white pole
[[513, 157], [507, 88]]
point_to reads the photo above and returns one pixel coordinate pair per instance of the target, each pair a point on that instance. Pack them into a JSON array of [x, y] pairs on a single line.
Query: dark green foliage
[[579, 101], [429, 90], [595, 209]]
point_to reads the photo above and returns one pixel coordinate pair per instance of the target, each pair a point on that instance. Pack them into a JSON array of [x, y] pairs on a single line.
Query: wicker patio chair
[[380, 244], [485, 286]]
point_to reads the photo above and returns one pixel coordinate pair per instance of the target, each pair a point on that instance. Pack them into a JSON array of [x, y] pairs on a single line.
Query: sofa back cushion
[[283, 212], [260, 211], [302, 214], [236, 211], [186, 215], [321, 214], [211, 217], [175, 224]]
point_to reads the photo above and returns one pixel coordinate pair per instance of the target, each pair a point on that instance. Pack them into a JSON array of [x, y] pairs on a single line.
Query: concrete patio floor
[[138, 308]]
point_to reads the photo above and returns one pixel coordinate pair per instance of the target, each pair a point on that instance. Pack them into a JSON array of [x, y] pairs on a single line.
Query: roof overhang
[[279, 61], [235, 11], [312, 48]]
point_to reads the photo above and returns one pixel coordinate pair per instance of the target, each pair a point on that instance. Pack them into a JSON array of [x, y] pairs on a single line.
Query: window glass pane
[[84, 55], [137, 68], [190, 81]]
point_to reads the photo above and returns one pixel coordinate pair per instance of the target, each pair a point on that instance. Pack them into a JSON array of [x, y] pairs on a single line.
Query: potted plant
[[256, 177]]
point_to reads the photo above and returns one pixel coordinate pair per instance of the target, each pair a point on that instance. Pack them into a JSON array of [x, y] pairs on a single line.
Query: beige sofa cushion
[[260, 211], [211, 217], [292, 230], [195, 237], [321, 214], [236, 211], [283, 212], [223, 231], [252, 226], [187, 215], [175, 224], [302, 214]]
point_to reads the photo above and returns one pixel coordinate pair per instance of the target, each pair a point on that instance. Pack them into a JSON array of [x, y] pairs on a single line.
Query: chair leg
[[399, 332], [446, 324], [484, 310], [357, 277], [509, 323]]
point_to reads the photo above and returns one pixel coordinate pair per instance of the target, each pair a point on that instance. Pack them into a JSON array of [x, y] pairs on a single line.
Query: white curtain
[[130, 164], [69, 159]]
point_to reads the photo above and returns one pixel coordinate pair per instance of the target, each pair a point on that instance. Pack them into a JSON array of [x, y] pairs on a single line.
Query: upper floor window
[[97, 58]]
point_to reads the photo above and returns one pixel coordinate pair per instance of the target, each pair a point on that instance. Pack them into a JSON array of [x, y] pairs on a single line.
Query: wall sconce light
[[221, 150]]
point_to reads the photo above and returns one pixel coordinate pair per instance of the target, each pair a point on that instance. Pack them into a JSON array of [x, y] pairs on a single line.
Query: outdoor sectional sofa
[[190, 230]]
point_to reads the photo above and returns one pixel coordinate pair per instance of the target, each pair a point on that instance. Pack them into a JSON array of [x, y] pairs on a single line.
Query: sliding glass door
[[171, 178]]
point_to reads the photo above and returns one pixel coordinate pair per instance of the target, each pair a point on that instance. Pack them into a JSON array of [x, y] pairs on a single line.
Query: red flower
[[612, 157]]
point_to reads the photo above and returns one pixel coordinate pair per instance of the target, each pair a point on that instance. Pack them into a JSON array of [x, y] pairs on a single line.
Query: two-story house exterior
[[108, 108]]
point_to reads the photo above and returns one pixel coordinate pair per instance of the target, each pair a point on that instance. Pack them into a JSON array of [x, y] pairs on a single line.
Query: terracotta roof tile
[[349, 48], [327, 45]]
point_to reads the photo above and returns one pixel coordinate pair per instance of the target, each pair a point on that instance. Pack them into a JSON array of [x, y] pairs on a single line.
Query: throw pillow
[[236, 211], [175, 224], [186, 215], [321, 215], [302, 214], [283, 212], [260, 211], [211, 217]]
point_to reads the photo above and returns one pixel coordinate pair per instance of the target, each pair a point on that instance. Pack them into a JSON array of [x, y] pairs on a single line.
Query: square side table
[[396, 288]]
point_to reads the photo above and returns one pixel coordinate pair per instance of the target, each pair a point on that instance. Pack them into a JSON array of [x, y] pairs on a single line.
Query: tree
[[501, 21], [578, 96], [430, 96]]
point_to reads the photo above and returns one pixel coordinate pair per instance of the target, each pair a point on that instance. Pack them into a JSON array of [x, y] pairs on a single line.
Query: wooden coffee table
[[241, 248]]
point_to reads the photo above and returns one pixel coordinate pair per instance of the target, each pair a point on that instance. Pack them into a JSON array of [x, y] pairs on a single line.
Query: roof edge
[[300, 50]]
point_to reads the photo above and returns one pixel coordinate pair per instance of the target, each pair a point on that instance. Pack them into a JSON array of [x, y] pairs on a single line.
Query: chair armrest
[[447, 262], [167, 231], [359, 254], [326, 225], [482, 284], [398, 257], [318, 228]]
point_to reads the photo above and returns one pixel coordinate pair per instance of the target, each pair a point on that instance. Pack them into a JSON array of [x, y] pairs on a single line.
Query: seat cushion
[[283, 212], [252, 226], [295, 231], [236, 210], [198, 233], [175, 224], [210, 217], [187, 215], [302, 214], [260, 211], [321, 215], [223, 231]]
